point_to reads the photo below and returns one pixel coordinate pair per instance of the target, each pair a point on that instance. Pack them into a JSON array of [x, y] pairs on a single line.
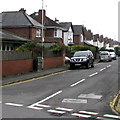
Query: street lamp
[[42, 35]]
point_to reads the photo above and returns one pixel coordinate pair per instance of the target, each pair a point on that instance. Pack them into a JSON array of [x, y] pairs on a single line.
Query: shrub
[[57, 47], [30, 46]]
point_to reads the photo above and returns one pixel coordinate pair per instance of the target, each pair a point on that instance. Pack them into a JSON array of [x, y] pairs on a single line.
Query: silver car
[[113, 55], [105, 56]]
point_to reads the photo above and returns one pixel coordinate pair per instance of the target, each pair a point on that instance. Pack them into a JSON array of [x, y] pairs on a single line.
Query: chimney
[[23, 10], [40, 16], [56, 20]]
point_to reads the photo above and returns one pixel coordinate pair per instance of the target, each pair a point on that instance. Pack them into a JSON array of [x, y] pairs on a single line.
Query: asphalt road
[[84, 93]]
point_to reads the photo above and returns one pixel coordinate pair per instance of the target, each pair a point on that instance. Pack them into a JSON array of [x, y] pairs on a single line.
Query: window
[[55, 33], [81, 38], [38, 32]]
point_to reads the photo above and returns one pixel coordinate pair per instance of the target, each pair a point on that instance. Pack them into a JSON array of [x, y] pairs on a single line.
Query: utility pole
[[42, 35]]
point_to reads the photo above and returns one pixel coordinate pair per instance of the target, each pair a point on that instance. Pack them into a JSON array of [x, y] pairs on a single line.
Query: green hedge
[[82, 48]]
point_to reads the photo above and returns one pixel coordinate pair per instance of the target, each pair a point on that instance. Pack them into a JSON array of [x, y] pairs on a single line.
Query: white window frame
[[38, 33]]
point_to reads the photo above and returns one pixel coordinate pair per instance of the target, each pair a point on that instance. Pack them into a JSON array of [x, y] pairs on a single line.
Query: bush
[[30, 46], [57, 47], [82, 48]]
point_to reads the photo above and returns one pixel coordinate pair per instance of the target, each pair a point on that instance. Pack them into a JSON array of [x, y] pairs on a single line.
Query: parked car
[[82, 58], [105, 56], [67, 60], [113, 55]]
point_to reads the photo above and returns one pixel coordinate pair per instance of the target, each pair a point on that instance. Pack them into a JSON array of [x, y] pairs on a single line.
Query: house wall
[[66, 38], [16, 67], [49, 33], [29, 33], [76, 40], [53, 62]]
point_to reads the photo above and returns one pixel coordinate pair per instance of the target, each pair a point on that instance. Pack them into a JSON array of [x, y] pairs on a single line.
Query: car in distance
[[82, 58], [67, 60], [105, 56], [113, 55]]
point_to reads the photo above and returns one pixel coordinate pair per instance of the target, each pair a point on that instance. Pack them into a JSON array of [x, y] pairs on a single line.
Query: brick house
[[20, 23], [95, 39], [78, 35], [53, 31]]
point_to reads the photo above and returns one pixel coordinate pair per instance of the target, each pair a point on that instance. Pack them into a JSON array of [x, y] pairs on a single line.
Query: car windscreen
[[103, 53], [81, 54]]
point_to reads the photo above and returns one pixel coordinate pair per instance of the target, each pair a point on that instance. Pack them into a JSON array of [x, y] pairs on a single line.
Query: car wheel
[[87, 66], [92, 65], [72, 66]]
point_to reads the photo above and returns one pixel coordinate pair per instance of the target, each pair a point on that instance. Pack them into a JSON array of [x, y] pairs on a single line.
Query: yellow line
[[32, 79]]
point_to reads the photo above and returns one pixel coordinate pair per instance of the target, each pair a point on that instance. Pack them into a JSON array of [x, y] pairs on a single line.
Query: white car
[[105, 56], [113, 55], [67, 60]]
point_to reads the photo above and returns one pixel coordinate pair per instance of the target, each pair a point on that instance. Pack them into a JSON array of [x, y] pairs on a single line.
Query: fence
[[15, 55]]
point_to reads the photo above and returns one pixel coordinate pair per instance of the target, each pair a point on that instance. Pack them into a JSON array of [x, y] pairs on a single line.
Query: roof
[[78, 29], [49, 23], [95, 38], [66, 25], [88, 34], [8, 36], [17, 19]]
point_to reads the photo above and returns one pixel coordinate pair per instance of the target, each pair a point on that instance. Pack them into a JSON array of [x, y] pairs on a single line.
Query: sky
[[101, 16]]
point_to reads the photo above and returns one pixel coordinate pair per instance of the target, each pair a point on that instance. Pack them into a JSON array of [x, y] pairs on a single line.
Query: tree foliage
[[57, 47], [30, 46]]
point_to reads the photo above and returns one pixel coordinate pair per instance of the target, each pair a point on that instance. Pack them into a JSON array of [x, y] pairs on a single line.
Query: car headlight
[[85, 59]]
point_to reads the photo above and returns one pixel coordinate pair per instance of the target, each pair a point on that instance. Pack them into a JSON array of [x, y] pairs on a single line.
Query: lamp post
[[42, 35]]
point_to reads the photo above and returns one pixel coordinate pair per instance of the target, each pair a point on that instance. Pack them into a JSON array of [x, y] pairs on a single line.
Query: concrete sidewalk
[[30, 75]]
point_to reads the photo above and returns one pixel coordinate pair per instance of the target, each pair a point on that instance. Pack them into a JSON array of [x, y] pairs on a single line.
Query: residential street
[[84, 93]]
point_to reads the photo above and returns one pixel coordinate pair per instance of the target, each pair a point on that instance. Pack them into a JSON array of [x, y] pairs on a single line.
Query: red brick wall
[[29, 33], [53, 62], [16, 67], [49, 33], [76, 40]]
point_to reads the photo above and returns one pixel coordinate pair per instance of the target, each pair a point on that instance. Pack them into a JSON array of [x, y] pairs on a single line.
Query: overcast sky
[[101, 16]]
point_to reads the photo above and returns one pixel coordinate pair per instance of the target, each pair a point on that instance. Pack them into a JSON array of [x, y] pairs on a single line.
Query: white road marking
[[74, 100], [41, 105], [56, 111], [93, 74], [102, 118], [108, 66], [77, 83], [0, 102], [111, 116], [86, 112], [91, 96], [102, 69], [64, 109], [36, 108], [14, 104], [81, 115], [47, 98]]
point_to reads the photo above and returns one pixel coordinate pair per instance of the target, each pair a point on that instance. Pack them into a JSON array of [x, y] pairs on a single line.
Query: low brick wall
[[16, 67], [53, 62]]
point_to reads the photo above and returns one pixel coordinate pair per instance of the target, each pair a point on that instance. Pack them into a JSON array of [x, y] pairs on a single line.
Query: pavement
[[26, 76]]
